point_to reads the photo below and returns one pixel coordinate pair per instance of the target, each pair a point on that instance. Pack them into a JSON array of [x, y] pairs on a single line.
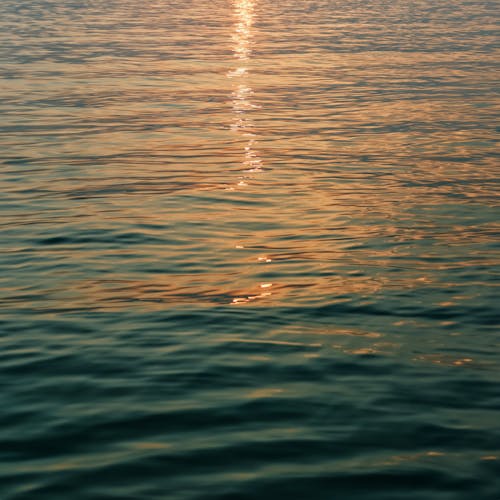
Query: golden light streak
[[244, 12]]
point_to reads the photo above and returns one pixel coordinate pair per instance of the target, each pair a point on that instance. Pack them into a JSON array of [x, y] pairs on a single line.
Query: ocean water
[[249, 250]]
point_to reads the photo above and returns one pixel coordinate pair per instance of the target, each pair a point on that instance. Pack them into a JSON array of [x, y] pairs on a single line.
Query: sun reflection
[[259, 295], [244, 11], [242, 124]]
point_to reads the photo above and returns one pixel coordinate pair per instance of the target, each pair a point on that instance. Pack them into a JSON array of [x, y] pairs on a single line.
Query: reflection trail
[[241, 96], [242, 124]]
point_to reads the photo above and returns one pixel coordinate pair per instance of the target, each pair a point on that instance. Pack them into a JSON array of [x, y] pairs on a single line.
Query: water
[[249, 250]]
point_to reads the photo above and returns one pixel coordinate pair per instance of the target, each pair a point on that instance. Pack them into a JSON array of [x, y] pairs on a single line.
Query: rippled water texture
[[249, 250]]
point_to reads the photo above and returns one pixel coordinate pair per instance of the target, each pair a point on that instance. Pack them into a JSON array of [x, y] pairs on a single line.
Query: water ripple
[[249, 250]]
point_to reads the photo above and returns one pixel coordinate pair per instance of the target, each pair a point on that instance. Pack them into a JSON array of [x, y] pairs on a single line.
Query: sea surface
[[249, 250]]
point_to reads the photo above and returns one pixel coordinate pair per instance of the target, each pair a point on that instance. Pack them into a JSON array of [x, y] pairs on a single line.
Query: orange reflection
[[362, 161], [244, 11]]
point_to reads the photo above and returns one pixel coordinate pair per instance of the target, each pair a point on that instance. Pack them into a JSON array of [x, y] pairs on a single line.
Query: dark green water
[[249, 250]]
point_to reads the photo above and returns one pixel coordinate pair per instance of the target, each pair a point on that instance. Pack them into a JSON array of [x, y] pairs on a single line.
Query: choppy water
[[249, 250]]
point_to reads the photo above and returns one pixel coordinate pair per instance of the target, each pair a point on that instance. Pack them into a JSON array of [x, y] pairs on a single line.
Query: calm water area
[[249, 250]]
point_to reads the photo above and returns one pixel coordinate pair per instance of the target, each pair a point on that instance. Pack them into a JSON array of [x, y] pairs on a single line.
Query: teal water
[[249, 250]]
